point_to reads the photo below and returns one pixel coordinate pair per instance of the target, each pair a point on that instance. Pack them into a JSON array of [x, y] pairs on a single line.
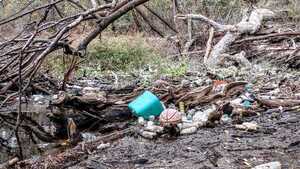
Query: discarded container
[[170, 116], [181, 107], [146, 105]]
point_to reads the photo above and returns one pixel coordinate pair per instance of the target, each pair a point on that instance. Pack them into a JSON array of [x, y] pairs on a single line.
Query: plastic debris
[[203, 116], [151, 118], [219, 86], [103, 146], [170, 116], [271, 165], [141, 121], [225, 119], [39, 99], [146, 105], [183, 126], [153, 128], [147, 134], [236, 102], [181, 107], [247, 104], [190, 130], [247, 126], [88, 136]]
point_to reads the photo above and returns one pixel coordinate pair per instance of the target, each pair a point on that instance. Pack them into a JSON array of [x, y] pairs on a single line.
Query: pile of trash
[[155, 119]]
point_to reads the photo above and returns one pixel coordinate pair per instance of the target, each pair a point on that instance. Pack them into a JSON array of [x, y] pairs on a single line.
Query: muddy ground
[[219, 146], [278, 139]]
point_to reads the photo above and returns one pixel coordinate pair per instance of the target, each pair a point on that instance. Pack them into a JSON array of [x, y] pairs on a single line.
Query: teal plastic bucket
[[146, 105]]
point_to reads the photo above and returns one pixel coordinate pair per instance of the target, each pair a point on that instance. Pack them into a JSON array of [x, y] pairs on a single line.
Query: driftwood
[[209, 44], [249, 25], [246, 40], [274, 103], [99, 109]]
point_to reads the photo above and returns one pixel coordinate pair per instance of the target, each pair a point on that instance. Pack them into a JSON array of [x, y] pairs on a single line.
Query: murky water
[[37, 111]]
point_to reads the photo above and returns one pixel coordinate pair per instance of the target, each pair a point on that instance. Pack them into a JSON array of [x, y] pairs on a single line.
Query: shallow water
[[36, 111]]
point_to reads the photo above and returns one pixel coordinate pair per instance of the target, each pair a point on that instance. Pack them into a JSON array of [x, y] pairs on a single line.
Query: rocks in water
[[271, 165]]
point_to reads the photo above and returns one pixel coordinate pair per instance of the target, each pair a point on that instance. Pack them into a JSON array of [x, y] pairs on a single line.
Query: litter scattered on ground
[[236, 119], [247, 126], [226, 103]]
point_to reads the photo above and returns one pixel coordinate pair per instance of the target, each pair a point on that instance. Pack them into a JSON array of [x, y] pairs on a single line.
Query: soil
[[219, 146], [224, 146]]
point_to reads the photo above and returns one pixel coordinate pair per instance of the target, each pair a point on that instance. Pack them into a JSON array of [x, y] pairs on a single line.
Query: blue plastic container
[[146, 105]]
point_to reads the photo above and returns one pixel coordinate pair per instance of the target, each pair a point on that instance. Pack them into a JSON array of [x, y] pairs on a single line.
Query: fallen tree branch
[[233, 32], [209, 44], [250, 39]]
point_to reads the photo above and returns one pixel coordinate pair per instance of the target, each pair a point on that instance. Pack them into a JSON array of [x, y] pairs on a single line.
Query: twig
[[161, 18], [268, 36], [152, 26], [30, 11]]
